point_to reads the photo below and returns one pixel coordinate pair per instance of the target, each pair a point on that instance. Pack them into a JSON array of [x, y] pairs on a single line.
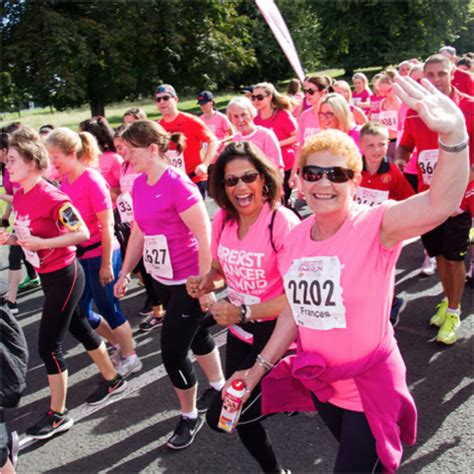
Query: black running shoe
[[13, 307], [185, 432], [205, 399], [106, 389], [50, 424]]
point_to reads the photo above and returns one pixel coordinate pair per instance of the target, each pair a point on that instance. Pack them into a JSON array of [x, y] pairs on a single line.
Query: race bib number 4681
[[314, 292]]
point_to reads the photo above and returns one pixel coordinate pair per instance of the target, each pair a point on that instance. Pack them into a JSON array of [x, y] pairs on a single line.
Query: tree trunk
[[97, 106]]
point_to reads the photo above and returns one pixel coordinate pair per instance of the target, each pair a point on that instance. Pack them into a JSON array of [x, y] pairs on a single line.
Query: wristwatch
[[245, 313]]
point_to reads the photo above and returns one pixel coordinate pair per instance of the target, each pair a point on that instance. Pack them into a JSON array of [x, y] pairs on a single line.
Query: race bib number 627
[[314, 292]]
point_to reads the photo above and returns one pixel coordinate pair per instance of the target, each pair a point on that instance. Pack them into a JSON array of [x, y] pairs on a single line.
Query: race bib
[[125, 207], [389, 118], [314, 292], [176, 159], [370, 197], [156, 256], [309, 132], [126, 182], [427, 161], [30, 255]]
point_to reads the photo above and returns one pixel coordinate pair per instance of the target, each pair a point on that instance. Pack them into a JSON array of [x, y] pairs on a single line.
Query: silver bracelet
[[454, 148], [264, 362]]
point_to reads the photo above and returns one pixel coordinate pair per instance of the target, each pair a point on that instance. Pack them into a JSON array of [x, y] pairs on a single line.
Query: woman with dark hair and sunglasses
[[274, 112], [172, 234], [348, 366], [315, 88], [247, 236]]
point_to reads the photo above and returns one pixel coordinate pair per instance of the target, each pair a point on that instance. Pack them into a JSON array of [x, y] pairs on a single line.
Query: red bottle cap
[[238, 384]]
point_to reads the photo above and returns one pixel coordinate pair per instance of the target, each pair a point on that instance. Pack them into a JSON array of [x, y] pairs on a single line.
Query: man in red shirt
[[196, 132], [462, 80], [449, 241]]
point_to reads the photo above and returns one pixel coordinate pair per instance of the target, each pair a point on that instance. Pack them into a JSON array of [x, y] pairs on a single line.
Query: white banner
[[275, 21]]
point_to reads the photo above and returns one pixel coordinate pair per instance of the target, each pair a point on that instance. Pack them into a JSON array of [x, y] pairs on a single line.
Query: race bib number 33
[[314, 292]]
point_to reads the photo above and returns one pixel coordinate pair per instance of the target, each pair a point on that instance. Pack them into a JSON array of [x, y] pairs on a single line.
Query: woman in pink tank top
[[353, 376]]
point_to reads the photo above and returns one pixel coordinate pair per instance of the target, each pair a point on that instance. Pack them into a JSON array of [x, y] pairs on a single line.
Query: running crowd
[[94, 208]]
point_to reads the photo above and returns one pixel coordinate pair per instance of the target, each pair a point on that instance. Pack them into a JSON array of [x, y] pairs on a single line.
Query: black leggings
[[181, 331], [240, 355], [15, 257], [62, 290], [122, 232], [356, 451]]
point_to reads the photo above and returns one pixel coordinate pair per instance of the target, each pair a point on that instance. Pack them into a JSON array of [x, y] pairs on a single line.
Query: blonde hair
[[336, 142], [344, 85], [83, 144], [279, 101], [340, 108], [363, 78]]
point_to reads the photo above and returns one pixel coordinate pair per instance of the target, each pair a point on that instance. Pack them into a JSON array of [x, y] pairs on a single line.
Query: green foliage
[[359, 33]]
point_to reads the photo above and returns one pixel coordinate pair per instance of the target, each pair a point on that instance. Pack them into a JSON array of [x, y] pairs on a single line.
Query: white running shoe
[[129, 365], [429, 266]]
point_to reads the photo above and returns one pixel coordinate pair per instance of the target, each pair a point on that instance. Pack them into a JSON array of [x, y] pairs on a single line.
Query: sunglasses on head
[[259, 97], [164, 98], [249, 177], [335, 174], [310, 91]]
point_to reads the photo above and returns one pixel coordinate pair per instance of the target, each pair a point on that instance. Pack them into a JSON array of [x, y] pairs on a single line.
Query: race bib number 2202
[[314, 292]]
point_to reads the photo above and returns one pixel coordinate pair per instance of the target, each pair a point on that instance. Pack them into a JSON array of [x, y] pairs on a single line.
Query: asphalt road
[[128, 435]]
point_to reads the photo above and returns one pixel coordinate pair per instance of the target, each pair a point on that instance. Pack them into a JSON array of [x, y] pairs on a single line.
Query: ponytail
[[89, 152]]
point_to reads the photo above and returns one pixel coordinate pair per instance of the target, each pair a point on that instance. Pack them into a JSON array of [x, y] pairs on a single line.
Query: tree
[[361, 33], [69, 53]]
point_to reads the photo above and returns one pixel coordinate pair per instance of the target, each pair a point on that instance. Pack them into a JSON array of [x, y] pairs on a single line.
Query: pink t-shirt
[[267, 141], [358, 97], [374, 110], [327, 285], [90, 195], [411, 167], [219, 125], [173, 194], [38, 210], [308, 125], [283, 124], [110, 165], [7, 184], [354, 133], [127, 177], [250, 264]]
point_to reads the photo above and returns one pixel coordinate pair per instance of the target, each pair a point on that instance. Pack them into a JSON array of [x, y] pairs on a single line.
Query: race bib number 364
[[314, 292]]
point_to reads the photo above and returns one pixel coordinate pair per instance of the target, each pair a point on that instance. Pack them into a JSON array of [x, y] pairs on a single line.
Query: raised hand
[[436, 109]]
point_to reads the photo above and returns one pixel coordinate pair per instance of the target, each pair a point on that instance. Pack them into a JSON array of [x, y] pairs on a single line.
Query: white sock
[[191, 415], [132, 357], [218, 384], [456, 311]]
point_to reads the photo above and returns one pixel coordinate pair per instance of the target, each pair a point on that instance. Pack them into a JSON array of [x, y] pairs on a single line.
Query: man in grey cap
[[195, 131]]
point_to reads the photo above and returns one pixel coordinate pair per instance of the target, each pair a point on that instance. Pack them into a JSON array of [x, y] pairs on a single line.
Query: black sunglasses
[[335, 174], [259, 97], [310, 91], [247, 178], [164, 98]]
